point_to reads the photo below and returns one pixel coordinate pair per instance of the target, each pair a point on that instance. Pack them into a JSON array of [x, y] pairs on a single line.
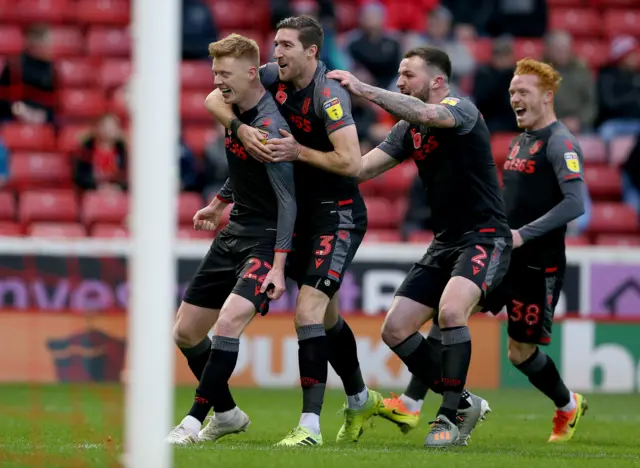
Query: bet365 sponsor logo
[[601, 357]]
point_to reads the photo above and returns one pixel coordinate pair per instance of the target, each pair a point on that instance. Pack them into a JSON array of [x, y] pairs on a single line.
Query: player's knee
[[183, 337], [451, 315], [311, 307], [232, 322], [519, 352], [394, 331]]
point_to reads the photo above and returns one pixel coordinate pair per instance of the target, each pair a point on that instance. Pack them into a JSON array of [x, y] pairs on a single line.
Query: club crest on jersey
[[281, 96], [514, 151], [333, 109], [417, 139], [450, 101], [305, 105], [572, 161], [535, 147]]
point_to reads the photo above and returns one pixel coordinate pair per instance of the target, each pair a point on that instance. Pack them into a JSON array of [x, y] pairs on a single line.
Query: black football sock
[[415, 352], [544, 375], [343, 357], [313, 358], [197, 356], [417, 389], [456, 357], [213, 391]]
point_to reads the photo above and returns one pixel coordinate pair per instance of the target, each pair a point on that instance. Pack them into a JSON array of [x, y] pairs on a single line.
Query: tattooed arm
[[402, 106]]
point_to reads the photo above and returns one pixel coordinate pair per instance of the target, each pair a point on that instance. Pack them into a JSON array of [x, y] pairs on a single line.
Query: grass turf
[[81, 426]]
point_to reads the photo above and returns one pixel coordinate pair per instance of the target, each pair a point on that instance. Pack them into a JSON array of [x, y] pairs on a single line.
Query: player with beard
[[331, 221], [543, 191], [450, 144]]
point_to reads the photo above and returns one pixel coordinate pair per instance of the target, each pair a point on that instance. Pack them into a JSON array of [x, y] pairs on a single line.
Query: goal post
[[154, 95]]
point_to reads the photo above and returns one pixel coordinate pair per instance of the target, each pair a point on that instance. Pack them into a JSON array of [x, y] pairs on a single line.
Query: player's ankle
[[311, 422], [192, 424], [569, 406], [358, 400], [411, 404], [226, 416]]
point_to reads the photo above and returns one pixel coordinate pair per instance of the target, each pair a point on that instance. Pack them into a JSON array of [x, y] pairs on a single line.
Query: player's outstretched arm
[[374, 163], [250, 137], [282, 181], [402, 106], [566, 159]]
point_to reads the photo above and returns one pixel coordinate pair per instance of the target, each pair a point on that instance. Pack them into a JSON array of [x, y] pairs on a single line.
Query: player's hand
[[517, 239], [275, 277], [208, 218], [252, 140], [283, 149], [347, 80]]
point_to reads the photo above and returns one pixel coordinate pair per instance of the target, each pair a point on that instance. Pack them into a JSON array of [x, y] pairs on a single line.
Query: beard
[[423, 94]]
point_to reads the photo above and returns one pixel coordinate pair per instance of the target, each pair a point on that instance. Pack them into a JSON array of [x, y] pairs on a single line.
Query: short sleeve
[[565, 155], [268, 74], [271, 123], [394, 145], [333, 104], [464, 112]]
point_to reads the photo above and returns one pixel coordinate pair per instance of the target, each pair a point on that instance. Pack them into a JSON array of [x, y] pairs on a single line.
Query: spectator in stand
[[373, 49], [631, 177], [439, 34], [216, 168], [27, 82], [619, 90], [4, 163], [190, 180], [475, 13], [102, 161], [575, 101], [198, 30], [518, 18], [491, 87]]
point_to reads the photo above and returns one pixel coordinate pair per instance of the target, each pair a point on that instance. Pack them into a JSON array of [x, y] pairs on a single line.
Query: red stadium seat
[[613, 3], [420, 237], [500, 144], [76, 73], [381, 213], [593, 51], [196, 74], [33, 170], [481, 49], [109, 42], [382, 235], [188, 204], [198, 137], [48, 205], [620, 148], [57, 230], [613, 240], [7, 206], [103, 206], [44, 11], [397, 181], [109, 231], [604, 182], [576, 3], [114, 73], [82, 103], [11, 40], [370, 187], [107, 12], [187, 232], [613, 218], [67, 41], [234, 14], [623, 21], [71, 136], [28, 137], [192, 106], [528, 48], [576, 241], [593, 149], [10, 229], [577, 21]]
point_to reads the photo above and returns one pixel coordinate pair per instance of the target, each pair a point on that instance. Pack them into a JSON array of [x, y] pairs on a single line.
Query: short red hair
[[549, 77]]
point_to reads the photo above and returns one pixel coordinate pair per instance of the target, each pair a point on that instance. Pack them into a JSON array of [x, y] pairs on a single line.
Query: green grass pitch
[[81, 426]]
